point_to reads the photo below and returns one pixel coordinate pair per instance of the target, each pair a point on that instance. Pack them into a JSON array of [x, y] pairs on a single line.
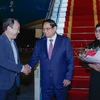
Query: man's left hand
[[66, 82]]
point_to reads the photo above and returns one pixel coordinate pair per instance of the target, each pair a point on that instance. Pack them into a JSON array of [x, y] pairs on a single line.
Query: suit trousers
[[48, 94], [9, 94]]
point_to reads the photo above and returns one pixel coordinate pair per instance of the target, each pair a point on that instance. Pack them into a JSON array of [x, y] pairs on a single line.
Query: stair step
[[79, 29], [60, 25], [59, 20], [78, 94], [77, 61], [83, 18], [61, 14], [79, 23], [80, 43], [80, 2], [82, 11], [62, 5], [80, 83], [79, 71], [65, 34], [63, 9], [84, 8], [84, 23], [82, 36]]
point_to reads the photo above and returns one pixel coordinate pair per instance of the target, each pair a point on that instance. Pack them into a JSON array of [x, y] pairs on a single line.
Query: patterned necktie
[[50, 48]]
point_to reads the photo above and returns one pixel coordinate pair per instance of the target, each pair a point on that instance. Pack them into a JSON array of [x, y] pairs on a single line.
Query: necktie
[[50, 48]]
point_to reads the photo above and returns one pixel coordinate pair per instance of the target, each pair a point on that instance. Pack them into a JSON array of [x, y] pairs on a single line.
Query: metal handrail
[[58, 11], [50, 9]]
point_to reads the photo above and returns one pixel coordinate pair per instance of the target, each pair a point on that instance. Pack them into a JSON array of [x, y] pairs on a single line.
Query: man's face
[[48, 30], [14, 31], [97, 33]]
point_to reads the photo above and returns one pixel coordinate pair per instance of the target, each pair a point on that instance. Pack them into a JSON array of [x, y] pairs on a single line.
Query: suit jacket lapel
[[9, 45], [56, 45]]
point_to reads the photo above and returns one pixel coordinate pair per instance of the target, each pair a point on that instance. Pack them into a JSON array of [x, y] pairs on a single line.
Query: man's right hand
[[27, 69]]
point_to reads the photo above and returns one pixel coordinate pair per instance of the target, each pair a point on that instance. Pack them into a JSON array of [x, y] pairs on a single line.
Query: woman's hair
[[96, 42], [98, 25]]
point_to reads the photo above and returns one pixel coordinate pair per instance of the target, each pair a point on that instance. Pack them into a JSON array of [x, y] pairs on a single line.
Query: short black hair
[[98, 25], [52, 23], [8, 22]]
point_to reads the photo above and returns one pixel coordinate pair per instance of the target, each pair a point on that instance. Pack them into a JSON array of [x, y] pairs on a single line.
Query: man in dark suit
[[56, 62], [10, 64]]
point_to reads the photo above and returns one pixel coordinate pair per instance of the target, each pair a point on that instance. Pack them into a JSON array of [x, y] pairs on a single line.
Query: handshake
[[26, 69]]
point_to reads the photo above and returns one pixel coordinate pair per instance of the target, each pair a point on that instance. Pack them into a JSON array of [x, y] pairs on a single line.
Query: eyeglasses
[[46, 29], [97, 31]]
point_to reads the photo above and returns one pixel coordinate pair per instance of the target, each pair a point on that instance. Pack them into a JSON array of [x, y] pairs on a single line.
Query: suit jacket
[[8, 67], [61, 64]]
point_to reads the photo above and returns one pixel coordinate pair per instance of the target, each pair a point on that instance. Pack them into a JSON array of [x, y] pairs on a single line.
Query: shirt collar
[[9, 38], [53, 38]]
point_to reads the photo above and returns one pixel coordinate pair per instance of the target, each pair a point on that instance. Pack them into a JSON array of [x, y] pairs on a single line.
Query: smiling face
[[97, 33], [48, 30]]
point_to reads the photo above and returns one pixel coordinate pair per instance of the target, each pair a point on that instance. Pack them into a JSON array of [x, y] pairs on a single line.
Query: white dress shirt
[[53, 42], [14, 51]]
